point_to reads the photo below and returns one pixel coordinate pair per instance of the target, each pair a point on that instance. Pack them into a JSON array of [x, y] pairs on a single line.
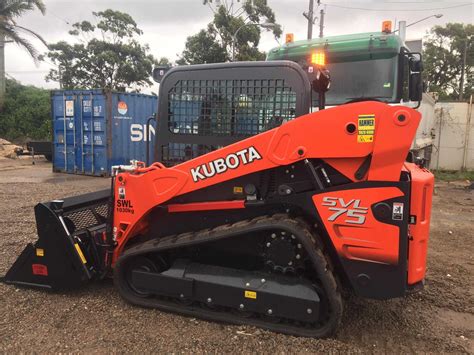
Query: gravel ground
[[95, 320]]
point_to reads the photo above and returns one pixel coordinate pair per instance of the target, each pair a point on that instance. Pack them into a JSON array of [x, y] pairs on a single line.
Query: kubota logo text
[[221, 165], [354, 213]]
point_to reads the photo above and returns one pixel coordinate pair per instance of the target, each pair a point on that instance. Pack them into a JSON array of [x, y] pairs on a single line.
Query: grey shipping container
[[96, 129]]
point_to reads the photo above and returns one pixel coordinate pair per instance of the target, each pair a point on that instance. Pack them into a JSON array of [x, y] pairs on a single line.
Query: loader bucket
[[61, 258]]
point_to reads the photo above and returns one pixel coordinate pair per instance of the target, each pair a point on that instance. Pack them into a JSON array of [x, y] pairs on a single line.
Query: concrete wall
[[454, 136], [425, 132]]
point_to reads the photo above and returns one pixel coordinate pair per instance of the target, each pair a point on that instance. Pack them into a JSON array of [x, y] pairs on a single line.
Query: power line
[[27, 71], [59, 17], [372, 9]]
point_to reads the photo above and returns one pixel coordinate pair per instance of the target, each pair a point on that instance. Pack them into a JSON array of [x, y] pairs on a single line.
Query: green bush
[[27, 113], [453, 175]]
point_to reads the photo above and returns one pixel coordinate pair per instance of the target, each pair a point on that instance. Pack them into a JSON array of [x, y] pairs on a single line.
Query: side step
[[276, 295]]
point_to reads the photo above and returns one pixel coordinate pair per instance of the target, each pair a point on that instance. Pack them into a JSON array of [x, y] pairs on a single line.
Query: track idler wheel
[[146, 264]]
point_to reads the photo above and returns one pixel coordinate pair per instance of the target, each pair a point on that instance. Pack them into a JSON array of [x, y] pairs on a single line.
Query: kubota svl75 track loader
[[264, 231]]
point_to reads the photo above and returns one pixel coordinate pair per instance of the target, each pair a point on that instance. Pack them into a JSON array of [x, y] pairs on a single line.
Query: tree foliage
[[27, 112], [106, 54], [443, 59], [9, 11], [231, 18]]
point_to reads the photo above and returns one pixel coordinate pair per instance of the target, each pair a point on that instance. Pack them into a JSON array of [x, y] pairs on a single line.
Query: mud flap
[[55, 261]]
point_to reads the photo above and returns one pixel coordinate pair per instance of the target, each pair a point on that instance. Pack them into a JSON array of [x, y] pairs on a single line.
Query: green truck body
[[364, 65]]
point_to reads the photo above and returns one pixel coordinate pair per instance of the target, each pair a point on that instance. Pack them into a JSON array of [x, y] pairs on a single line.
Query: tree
[[9, 11], [443, 59], [231, 18], [27, 112], [107, 55], [203, 47]]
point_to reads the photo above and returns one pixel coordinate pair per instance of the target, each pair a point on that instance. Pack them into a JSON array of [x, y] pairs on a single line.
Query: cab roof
[[354, 45]]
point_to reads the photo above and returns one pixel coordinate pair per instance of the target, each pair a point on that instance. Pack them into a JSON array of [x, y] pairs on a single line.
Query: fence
[[453, 146]]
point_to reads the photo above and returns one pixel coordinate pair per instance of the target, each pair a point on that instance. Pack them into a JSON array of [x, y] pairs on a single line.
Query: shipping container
[[96, 129]]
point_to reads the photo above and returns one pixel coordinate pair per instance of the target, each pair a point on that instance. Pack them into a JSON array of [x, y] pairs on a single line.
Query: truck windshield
[[352, 81]]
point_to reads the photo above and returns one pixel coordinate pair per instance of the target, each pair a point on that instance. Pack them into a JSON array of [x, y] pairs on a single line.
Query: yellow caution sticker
[[238, 190], [79, 251], [251, 294], [366, 128], [39, 252]]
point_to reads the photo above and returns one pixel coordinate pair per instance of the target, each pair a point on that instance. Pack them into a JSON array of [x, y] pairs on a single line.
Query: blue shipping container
[[96, 129]]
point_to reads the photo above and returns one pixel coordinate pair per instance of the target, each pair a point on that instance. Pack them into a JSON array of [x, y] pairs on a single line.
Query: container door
[[130, 138], [93, 144], [65, 107]]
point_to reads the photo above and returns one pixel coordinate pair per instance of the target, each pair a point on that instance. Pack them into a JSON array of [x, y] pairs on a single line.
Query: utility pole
[[60, 75], [310, 17], [321, 23], [2, 71], [463, 69]]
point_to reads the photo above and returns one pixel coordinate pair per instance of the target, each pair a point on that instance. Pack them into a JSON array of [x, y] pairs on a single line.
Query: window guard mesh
[[229, 107]]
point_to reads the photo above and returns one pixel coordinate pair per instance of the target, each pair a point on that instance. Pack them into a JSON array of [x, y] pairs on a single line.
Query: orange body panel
[[321, 134], [206, 206], [422, 185], [371, 240]]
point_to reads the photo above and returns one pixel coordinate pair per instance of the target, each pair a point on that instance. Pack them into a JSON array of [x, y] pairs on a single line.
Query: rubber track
[[298, 227]]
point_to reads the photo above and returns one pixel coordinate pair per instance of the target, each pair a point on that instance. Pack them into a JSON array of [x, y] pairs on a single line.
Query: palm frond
[[39, 4], [11, 9], [34, 34], [12, 33], [15, 8]]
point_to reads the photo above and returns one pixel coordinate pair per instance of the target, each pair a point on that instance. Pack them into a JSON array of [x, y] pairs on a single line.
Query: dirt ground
[[95, 320]]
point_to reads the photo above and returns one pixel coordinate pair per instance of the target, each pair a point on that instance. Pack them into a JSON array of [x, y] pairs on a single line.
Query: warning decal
[[39, 269], [69, 109], [250, 294], [397, 212], [366, 128], [79, 251]]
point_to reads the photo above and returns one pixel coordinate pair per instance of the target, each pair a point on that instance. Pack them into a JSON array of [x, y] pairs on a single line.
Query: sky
[[167, 23]]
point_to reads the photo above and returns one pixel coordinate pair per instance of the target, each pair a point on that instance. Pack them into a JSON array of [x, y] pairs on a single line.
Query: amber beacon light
[[387, 26], [318, 58]]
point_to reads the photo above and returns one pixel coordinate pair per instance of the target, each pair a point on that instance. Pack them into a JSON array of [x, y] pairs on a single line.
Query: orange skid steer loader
[[265, 213]]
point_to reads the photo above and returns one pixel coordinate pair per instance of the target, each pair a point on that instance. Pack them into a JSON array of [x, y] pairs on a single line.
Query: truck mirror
[[159, 73], [416, 64], [415, 81], [321, 81], [415, 90]]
